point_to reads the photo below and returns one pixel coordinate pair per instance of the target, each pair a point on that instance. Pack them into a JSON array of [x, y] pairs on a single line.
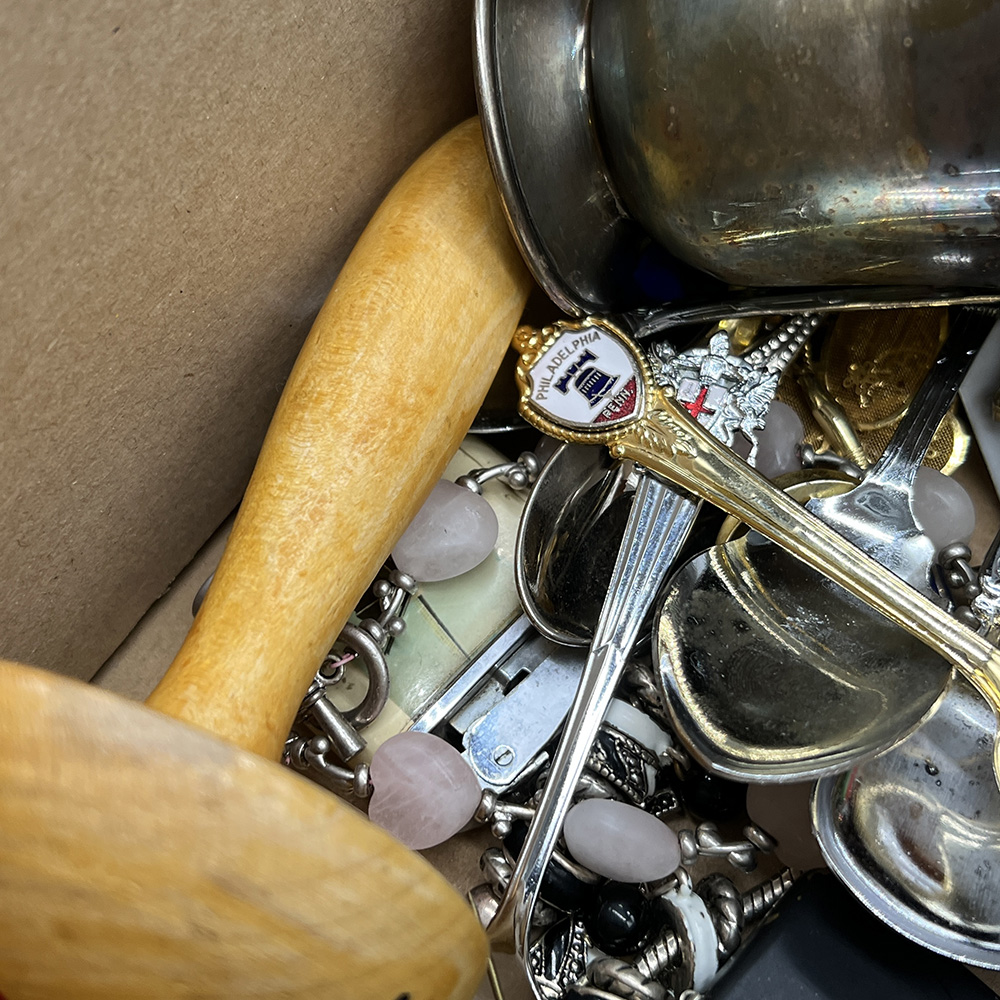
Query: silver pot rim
[[532, 81]]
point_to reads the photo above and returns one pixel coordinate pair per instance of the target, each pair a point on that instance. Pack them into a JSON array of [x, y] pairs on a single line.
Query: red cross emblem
[[697, 407]]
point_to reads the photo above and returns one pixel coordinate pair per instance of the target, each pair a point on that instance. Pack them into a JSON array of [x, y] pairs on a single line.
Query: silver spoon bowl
[[915, 832], [774, 673], [567, 541]]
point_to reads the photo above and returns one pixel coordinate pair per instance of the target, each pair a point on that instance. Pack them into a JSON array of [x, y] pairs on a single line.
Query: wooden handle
[[386, 386], [140, 857]]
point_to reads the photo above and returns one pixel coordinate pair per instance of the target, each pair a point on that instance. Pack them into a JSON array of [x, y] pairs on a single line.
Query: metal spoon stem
[[901, 459], [672, 444], [657, 528]]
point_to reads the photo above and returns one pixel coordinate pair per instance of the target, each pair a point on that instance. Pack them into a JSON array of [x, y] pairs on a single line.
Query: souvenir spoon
[[568, 535], [771, 671], [657, 431], [728, 394], [915, 832]]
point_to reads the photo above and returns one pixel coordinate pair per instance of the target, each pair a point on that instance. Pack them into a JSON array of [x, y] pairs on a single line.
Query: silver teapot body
[[770, 143]]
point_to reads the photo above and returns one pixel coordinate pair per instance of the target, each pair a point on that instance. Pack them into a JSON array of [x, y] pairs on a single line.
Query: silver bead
[[517, 478], [362, 781], [394, 626], [374, 629], [760, 839], [529, 461], [501, 827], [485, 903], [954, 552], [403, 580], [496, 869], [689, 846], [487, 806], [623, 980]]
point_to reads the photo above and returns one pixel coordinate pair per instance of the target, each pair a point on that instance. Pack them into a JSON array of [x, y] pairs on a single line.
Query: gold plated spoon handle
[[592, 384], [666, 440]]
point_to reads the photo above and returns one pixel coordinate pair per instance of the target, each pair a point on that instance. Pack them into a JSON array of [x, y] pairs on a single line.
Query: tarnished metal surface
[[796, 142], [767, 142], [532, 73]]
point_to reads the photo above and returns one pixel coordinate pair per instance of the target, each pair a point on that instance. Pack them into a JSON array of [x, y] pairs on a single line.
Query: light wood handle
[[386, 386], [140, 857]]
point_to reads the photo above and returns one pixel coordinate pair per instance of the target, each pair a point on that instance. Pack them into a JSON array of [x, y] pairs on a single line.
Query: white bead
[[942, 508], [630, 721], [423, 791], [453, 532], [778, 441], [641, 727], [620, 841]]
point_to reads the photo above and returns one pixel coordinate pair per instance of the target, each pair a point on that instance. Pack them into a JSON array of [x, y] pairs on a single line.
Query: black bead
[[619, 918], [560, 888], [710, 797]]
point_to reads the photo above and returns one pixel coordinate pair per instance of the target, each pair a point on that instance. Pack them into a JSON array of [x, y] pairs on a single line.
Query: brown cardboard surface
[[179, 184]]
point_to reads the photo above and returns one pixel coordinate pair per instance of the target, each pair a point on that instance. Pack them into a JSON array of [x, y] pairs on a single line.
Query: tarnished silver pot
[[766, 142]]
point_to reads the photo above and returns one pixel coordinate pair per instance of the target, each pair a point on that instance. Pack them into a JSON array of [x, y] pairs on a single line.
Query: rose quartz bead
[[942, 508], [620, 841], [778, 441], [423, 791], [453, 532]]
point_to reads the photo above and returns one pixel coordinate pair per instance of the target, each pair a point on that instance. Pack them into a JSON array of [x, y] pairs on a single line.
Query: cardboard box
[[180, 184]]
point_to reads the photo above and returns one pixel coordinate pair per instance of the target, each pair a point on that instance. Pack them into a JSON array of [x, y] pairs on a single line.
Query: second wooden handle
[[386, 386]]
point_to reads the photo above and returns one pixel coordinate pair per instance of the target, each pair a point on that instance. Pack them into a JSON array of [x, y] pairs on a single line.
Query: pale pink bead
[[778, 441], [942, 508], [454, 531], [620, 841], [423, 791]]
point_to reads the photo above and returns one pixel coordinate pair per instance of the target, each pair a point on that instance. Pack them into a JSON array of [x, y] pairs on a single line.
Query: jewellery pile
[[661, 660]]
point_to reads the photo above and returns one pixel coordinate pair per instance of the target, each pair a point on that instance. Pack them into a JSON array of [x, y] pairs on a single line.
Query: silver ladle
[[915, 832], [772, 672]]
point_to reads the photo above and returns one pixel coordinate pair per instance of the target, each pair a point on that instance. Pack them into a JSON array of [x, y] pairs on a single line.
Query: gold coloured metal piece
[[833, 421], [873, 362], [742, 330], [853, 391], [663, 437]]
